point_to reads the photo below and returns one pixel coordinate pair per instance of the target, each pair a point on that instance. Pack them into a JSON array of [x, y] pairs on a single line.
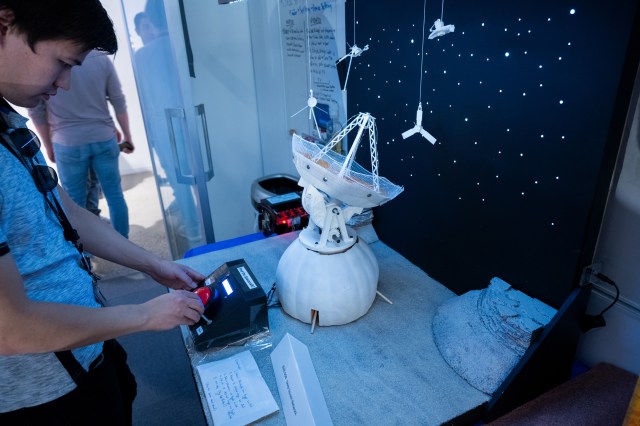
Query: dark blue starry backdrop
[[521, 98]]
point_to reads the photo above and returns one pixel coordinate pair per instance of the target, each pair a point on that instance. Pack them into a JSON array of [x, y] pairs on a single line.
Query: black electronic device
[[235, 307], [281, 214]]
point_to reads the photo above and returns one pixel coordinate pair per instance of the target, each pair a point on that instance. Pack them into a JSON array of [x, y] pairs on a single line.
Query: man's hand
[[126, 147], [172, 309], [176, 276]]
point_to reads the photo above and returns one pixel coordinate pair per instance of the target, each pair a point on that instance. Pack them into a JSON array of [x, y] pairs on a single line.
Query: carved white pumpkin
[[340, 287]]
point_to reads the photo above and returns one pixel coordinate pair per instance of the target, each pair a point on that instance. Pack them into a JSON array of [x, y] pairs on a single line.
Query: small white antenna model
[[312, 104], [418, 126], [438, 28], [354, 50]]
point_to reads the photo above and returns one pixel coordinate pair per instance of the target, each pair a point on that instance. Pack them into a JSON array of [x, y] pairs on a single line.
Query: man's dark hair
[[84, 22]]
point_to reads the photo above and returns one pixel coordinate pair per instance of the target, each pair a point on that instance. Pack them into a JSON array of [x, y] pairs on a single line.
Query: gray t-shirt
[[48, 265]]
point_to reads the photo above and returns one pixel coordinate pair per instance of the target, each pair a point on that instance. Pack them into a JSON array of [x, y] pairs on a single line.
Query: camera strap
[[70, 233]]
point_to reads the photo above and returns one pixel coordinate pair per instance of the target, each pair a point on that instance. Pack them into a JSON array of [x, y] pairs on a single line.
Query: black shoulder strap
[[4, 128], [71, 364]]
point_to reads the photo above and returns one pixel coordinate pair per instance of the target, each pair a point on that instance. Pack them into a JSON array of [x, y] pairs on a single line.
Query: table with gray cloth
[[383, 368]]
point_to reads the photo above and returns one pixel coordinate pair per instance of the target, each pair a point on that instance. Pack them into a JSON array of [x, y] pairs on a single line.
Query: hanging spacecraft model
[[439, 29]]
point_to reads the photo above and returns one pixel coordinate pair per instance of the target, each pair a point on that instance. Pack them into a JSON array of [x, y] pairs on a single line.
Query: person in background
[[59, 362], [145, 28], [158, 83], [79, 134]]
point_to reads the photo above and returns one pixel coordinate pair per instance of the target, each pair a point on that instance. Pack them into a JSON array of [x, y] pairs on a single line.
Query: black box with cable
[[235, 307]]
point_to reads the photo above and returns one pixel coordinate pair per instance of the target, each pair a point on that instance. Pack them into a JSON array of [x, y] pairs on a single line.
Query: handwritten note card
[[235, 391]]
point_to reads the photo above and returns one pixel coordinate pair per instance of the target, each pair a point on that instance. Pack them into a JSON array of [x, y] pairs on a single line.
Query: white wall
[[140, 160], [618, 257]]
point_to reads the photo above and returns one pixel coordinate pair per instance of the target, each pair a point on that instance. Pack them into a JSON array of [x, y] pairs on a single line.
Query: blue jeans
[[73, 167], [93, 193]]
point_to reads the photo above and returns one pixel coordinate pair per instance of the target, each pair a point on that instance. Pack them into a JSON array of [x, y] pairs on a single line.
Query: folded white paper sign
[[235, 391], [300, 393]]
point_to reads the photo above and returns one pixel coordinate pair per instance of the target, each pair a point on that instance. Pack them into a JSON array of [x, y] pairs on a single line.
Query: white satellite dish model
[[328, 274]]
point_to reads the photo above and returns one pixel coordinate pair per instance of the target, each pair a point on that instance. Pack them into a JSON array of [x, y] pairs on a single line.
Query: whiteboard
[[313, 39]]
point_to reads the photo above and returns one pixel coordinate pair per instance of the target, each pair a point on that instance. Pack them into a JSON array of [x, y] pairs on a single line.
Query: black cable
[[609, 281], [270, 295], [590, 322]]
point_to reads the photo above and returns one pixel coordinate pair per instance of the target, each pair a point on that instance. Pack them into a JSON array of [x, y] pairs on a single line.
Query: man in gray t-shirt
[[79, 135], [54, 366]]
